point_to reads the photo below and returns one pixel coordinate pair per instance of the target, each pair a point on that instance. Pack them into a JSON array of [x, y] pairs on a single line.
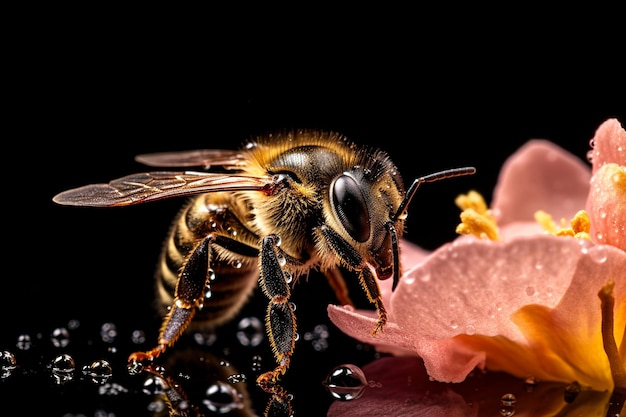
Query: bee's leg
[[189, 296], [280, 318], [354, 261]]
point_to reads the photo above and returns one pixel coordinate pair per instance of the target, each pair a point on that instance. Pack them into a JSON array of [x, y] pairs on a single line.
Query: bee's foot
[[137, 360], [268, 382]]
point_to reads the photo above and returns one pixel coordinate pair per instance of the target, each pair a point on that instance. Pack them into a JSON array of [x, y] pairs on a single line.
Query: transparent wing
[[205, 158], [151, 186]]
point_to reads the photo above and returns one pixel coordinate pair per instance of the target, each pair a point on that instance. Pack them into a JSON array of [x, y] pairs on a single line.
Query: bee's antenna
[[448, 173]]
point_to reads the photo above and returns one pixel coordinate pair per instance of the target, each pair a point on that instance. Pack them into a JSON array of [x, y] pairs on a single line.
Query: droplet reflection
[[99, 371], [346, 382], [222, 398]]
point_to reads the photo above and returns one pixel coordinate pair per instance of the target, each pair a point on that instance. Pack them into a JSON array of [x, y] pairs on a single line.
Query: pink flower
[[527, 303]]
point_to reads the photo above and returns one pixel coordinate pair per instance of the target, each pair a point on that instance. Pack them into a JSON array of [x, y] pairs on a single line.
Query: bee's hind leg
[[280, 317], [192, 285]]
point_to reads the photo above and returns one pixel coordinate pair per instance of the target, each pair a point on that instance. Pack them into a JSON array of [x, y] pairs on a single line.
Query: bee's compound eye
[[350, 206]]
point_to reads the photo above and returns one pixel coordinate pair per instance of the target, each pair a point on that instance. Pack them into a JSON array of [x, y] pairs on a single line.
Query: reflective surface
[[78, 367]]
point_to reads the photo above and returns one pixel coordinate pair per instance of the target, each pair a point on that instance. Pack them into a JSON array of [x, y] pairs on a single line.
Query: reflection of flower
[[531, 303]]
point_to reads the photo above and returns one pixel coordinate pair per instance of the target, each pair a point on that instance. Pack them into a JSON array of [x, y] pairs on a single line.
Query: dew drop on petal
[[454, 324], [409, 279], [222, 398], [346, 382], [470, 329], [598, 254], [530, 290]]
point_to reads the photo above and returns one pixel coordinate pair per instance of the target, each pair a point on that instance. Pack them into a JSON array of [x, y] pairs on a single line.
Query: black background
[[83, 95]]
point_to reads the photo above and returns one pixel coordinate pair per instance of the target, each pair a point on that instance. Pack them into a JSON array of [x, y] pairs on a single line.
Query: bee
[[267, 214]]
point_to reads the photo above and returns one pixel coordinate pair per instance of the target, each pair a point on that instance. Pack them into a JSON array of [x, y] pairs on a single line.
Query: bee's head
[[364, 206], [368, 214]]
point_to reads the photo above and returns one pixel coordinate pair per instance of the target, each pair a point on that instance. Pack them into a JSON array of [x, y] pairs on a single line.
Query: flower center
[[476, 218], [579, 228]]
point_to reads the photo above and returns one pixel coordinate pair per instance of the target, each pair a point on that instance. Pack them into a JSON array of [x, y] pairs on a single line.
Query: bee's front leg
[[280, 318], [192, 284]]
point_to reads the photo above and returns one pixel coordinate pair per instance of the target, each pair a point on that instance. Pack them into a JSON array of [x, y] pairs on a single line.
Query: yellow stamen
[[579, 228], [476, 218], [607, 302]]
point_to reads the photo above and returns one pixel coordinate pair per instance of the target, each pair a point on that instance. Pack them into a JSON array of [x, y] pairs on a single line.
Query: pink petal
[[540, 176], [467, 306], [609, 144], [606, 205]]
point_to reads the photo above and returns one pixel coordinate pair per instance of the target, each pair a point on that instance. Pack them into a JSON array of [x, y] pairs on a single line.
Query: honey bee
[[267, 214]]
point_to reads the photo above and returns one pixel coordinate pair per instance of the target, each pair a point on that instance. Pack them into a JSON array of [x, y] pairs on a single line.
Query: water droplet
[[24, 342], [598, 254], [508, 399], [250, 331], [138, 337], [346, 382], [212, 275], [62, 368], [99, 371], [108, 332], [155, 385], [470, 329], [222, 398], [318, 337], [507, 411], [73, 324], [539, 266], [60, 337], [530, 383], [454, 324], [530, 291], [231, 231], [409, 279], [507, 405], [282, 261], [288, 277], [7, 364], [571, 392], [205, 338], [237, 378], [257, 363], [237, 264]]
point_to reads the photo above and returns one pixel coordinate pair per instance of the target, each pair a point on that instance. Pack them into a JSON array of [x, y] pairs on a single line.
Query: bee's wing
[[206, 158], [151, 186]]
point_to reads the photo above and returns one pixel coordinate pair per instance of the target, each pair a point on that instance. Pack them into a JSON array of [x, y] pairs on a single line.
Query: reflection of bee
[[269, 213]]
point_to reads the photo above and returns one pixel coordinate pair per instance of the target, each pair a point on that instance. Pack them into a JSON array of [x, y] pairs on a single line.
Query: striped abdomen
[[235, 268]]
